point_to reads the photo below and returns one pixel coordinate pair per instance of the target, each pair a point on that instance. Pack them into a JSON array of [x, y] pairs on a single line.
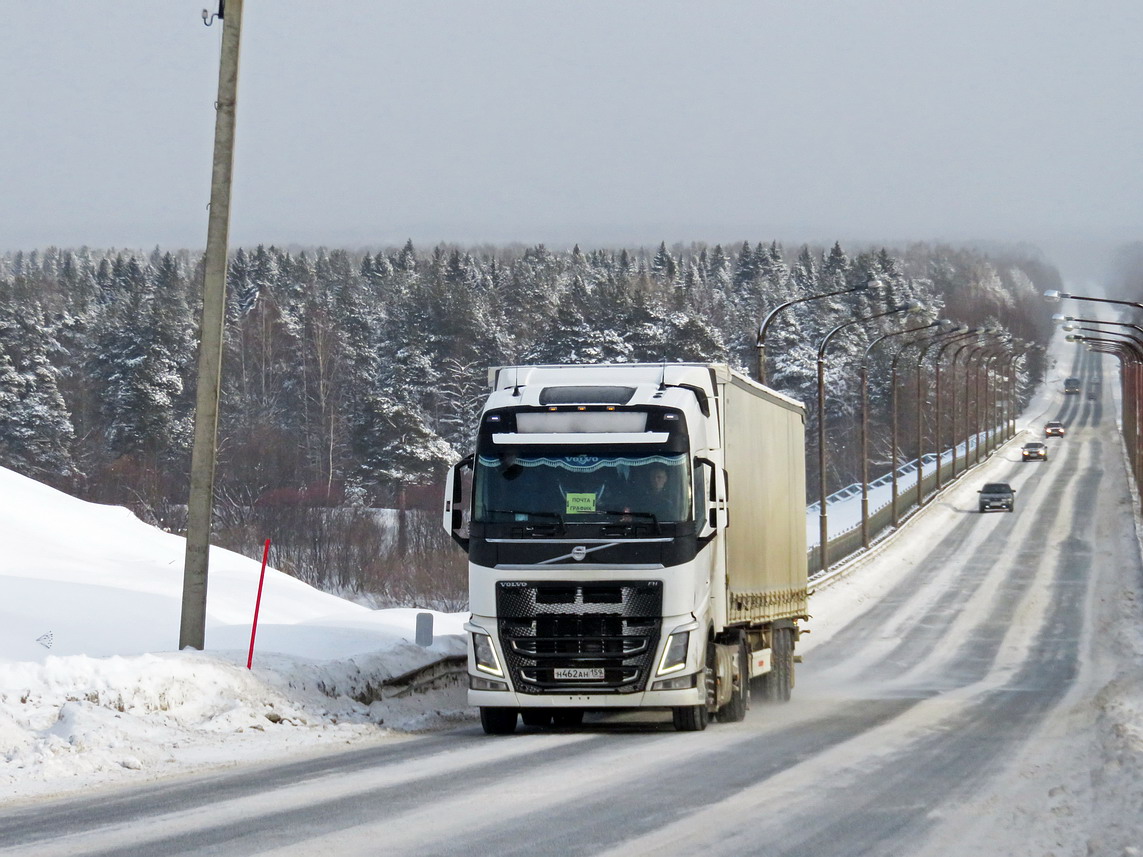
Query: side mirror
[[713, 513], [458, 501], [703, 490]]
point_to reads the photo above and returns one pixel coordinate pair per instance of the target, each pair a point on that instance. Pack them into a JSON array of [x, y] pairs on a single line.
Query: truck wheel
[[498, 721], [735, 709], [690, 718], [693, 718], [781, 676], [536, 717], [567, 716]]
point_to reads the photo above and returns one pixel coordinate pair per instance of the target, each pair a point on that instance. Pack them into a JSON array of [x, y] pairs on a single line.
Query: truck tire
[[689, 718], [498, 721], [694, 718], [735, 709], [567, 717], [780, 679], [540, 717]]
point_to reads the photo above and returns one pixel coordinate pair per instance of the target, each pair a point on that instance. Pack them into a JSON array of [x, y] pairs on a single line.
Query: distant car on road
[[1071, 385], [997, 495], [1054, 428], [1034, 451]]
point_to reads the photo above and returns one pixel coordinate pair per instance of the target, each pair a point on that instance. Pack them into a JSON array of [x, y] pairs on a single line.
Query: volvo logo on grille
[[578, 553]]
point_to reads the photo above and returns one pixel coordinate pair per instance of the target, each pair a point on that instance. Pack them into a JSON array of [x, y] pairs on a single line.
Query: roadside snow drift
[[92, 687]]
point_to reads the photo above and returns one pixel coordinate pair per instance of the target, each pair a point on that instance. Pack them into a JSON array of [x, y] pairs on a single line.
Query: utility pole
[[201, 503]]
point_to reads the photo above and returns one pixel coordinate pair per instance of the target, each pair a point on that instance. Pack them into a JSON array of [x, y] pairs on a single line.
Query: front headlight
[[485, 655], [675, 653]]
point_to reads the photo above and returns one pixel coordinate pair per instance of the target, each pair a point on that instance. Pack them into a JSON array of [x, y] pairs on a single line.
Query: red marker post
[[258, 604]]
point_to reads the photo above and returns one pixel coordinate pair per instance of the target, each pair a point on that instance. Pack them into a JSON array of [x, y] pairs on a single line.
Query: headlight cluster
[[486, 660], [675, 653], [675, 660]]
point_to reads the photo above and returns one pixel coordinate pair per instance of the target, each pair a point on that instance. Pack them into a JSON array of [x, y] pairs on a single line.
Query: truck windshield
[[522, 484]]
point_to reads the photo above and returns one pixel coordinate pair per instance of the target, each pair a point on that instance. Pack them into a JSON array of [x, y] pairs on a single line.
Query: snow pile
[[92, 687]]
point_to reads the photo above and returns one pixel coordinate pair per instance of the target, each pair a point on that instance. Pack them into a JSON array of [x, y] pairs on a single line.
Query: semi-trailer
[[636, 537]]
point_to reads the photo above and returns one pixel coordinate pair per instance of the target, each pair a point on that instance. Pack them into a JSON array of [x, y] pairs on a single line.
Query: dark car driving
[[997, 495], [1034, 451]]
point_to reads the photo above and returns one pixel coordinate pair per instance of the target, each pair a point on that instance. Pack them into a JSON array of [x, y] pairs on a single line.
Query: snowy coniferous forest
[[352, 379]]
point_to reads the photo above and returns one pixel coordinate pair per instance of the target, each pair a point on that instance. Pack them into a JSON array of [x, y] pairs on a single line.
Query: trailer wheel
[[498, 721], [567, 716], [540, 717], [780, 679], [735, 709]]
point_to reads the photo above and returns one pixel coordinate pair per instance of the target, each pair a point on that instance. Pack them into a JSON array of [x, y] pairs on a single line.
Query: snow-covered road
[[971, 686]]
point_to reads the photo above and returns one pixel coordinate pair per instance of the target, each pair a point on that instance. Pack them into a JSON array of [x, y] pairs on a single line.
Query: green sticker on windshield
[[579, 504]]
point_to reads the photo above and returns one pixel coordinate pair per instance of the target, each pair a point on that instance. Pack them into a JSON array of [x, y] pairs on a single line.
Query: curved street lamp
[[1130, 356], [985, 387], [1053, 296], [930, 342], [1068, 322], [974, 343], [894, 443], [992, 383], [760, 344], [953, 340], [973, 393], [823, 522], [864, 375], [1018, 352]]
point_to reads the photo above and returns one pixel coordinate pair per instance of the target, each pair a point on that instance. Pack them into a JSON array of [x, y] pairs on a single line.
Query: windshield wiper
[[558, 517], [625, 513]]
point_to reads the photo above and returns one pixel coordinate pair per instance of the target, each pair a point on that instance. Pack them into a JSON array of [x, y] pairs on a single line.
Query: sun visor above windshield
[[581, 421], [586, 395], [513, 438]]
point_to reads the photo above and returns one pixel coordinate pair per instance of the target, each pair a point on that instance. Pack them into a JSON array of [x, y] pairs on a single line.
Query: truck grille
[[561, 637]]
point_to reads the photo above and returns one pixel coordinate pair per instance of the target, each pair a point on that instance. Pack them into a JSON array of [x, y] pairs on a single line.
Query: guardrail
[[849, 542]]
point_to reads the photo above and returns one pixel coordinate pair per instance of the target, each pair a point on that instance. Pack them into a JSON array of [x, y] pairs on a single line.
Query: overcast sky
[[603, 122]]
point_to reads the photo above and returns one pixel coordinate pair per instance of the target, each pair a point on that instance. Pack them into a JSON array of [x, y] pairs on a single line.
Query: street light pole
[[952, 366], [823, 521], [200, 504], [987, 352], [1130, 384], [924, 351], [1054, 296], [1068, 322], [955, 336], [971, 377], [1007, 412], [864, 376], [1130, 359], [760, 344]]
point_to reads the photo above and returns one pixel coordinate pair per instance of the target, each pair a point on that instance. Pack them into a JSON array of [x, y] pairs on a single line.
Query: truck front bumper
[[646, 699]]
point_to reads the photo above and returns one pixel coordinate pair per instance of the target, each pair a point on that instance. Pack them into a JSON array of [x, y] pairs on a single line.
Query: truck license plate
[[579, 673]]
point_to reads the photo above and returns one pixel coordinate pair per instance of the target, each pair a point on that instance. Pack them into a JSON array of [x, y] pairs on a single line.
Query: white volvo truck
[[636, 538]]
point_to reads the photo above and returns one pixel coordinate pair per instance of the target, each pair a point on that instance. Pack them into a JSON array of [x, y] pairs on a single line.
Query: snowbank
[[93, 689]]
